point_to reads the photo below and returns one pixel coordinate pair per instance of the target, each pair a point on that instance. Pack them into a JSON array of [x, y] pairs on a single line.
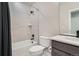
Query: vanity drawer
[[74, 50], [56, 52]]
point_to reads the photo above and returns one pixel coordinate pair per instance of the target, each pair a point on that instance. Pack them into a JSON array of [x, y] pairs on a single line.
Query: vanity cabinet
[[63, 49]]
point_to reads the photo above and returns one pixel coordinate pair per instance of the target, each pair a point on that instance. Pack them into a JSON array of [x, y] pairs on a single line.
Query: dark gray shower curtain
[[5, 34]]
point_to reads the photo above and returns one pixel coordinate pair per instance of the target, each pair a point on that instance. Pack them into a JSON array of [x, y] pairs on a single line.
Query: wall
[[48, 18], [64, 15], [20, 19], [47, 15]]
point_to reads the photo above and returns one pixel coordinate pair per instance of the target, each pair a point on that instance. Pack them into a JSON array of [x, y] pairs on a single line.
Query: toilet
[[38, 50]]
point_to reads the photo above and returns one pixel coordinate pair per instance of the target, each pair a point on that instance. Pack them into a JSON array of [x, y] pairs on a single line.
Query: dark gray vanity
[[60, 47]]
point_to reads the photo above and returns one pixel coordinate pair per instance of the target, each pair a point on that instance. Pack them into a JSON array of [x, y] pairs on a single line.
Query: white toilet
[[38, 50]]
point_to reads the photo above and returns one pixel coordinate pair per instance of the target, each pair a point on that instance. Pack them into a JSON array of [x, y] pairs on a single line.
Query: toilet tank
[[44, 41]]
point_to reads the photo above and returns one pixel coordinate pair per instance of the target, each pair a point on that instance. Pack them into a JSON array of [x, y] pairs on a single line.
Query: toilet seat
[[36, 50]]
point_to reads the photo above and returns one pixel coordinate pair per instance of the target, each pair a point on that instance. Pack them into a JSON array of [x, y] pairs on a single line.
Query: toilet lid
[[36, 48]]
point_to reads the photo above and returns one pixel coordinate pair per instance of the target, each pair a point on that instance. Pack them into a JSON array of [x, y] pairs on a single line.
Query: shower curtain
[[5, 34]]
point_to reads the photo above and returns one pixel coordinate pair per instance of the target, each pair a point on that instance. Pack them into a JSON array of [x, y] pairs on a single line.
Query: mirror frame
[[70, 11]]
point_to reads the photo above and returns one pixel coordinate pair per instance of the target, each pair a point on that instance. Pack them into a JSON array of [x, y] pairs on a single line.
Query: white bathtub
[[21, 48]]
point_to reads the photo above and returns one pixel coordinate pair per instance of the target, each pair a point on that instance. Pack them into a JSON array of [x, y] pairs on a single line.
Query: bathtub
[[22, 48]]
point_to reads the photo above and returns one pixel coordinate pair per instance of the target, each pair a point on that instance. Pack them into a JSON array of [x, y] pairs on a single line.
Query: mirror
[[69, 20], [74, 21]]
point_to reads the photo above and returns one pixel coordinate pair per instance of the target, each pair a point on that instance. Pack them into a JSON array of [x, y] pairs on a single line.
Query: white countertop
[[66, 39]]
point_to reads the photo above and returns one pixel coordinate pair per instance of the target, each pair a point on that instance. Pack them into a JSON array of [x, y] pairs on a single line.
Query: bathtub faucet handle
[[33, 35]]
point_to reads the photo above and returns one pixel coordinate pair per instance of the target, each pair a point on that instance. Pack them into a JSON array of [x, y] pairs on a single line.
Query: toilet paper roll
[[50, 49]]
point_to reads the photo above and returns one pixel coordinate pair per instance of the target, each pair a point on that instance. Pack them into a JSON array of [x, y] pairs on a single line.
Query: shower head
[[31, 5]]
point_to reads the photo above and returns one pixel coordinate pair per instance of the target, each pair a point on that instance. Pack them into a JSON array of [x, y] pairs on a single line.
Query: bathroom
[[44, 28], [41, 19], [24, 23]]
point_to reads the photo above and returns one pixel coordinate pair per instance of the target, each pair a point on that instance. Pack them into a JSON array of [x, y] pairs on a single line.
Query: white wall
[[20, 18], [19, 21], [47, 16], [64, 15]]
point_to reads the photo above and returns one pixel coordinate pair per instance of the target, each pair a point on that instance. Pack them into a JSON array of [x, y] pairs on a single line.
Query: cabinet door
[[56, 52], [73, 50]]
